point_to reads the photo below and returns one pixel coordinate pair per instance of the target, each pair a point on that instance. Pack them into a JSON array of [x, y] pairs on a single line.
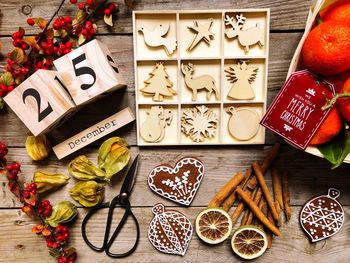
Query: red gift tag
[[296, 113]]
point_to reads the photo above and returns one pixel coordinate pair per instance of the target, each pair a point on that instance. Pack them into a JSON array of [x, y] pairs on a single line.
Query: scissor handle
[[123, 202]]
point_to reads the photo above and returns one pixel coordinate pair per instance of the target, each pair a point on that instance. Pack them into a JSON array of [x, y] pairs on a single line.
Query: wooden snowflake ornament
[[199, 123], [170, 231]]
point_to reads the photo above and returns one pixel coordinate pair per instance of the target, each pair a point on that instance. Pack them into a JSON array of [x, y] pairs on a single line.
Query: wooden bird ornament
[[202, 31], [156, 38]]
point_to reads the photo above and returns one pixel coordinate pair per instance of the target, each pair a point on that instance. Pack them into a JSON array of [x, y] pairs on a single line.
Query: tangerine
[[339, 11]]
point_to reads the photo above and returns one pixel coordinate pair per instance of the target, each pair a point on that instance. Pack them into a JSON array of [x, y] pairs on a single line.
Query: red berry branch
[[56, 237]]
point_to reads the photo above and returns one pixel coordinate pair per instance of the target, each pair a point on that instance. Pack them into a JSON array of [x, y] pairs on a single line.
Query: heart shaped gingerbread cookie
[[179, 183]]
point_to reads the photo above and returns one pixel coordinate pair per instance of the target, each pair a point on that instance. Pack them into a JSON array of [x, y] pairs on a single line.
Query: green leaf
[[54, 253], [81, 14], [108, 19], [31, 41], [41, 22], [2, 103], [337, 150], [81, 39], [6, 79], [18, 55]]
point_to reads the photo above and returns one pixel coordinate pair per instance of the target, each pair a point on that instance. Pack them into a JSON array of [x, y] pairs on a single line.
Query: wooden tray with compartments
[[201, 76]]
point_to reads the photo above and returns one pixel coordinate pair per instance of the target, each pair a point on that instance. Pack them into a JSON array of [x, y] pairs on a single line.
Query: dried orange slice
[[213, 225], [249, 242]]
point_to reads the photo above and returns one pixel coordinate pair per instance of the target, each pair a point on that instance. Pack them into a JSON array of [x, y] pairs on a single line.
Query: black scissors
[[121, 200]]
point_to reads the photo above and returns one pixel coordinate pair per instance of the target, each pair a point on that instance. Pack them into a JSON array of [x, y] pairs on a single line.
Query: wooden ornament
[[170, 231], [241, 77], [40, 101], [244, 123], [205, 82], [153, 129], [179, 183], [156, 38], [88, 72], [199, 123], [202, 31], [158, 84], [323, 216], [246, 38]]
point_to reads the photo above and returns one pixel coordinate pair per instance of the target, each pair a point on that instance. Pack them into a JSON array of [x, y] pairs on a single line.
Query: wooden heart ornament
[[179, 183], [322, 216]]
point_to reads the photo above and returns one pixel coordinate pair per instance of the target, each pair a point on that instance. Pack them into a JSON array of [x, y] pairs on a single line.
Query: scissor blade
[[130, 177]]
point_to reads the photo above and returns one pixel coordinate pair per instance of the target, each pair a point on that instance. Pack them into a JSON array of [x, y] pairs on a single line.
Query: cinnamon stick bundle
[[257, 212], [286, 195], [226, 190]]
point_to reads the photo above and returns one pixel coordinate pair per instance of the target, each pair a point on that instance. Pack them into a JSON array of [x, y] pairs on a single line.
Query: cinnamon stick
[[265, 190], [277, 190], [257, 212], [286, 195], [257, 198], [269, 234], [247, 211], [238, 211], [226, 190]]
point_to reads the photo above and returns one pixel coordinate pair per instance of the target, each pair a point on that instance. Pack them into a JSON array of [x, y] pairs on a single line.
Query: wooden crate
[[208, 59]]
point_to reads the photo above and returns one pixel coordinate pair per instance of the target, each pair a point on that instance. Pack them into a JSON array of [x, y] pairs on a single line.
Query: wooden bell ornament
[[40, 101], [89, 71]]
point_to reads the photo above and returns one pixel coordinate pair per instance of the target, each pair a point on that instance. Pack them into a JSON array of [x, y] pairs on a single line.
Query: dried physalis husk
[[113, 156], [88, 193], [46, 181], [83, 169], [62, 213], [38, 148]]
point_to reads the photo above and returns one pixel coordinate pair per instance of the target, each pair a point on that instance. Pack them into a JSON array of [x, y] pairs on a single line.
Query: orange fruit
[[339, 11], [326, 48], [331, 127], [344, 103]]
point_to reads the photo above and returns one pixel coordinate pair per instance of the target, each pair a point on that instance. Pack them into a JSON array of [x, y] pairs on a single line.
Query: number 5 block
[[89, 71], [40, 101]]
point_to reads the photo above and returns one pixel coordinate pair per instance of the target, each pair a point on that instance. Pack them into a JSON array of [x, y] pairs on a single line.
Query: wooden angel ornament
[[156, 38], [153, 129], [205, 82], [158, 84], [241, 77], [202, 32], [246, 38]]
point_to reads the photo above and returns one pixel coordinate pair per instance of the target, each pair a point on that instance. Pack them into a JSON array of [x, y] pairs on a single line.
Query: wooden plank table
[[309, 175]]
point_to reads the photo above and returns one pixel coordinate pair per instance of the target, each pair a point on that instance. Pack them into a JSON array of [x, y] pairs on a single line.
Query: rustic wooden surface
[[309, 175]]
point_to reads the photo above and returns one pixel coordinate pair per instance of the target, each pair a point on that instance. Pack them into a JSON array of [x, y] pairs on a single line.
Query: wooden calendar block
[[41, 101], [89, 71]]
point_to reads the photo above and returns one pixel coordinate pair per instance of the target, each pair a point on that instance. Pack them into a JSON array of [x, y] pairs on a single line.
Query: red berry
[[68, 19], [16, 35], [26, 194], [107, 11], [81, 5], [112, 7], [24, 45], [30, 21], [68, 45], [73, 2], [84, 32], [10, 88], [32, 186], [90, 2]]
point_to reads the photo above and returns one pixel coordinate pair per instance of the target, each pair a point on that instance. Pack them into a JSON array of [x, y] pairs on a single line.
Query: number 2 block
[[89, 71], [40, 101]]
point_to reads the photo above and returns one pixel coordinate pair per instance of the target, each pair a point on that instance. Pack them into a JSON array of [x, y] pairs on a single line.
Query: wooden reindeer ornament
[[206, 82], [153, 129], [241, 77], [202, 31], [156, 38], [158, 84], [246, 38]]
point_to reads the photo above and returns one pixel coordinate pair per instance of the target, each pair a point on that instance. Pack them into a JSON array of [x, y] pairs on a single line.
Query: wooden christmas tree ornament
[[156, 38], [246, 38], [89, 71], [199, 123], [158, 84], [40, 101], [153, 129], [202, 31], [170, 231], [243, 125], [241, 77], [205, 82]]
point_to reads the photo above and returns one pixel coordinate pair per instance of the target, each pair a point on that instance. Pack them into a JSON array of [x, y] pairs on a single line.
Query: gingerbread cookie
[[322, 216], [179, 183], [170, 231]]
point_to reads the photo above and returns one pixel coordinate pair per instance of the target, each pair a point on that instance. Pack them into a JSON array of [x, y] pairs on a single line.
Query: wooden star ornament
[[202, 31]]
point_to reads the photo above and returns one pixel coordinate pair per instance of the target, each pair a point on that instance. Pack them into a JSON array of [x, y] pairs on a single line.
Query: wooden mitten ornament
[[243, 124], [153, 129], [202, 31], [323, 216], [246, 38], [170, 231], [40, 101], [156, 38], [158, 84], [205, 82], [199, 123], [89, 71], [241, 77], [179, 183]]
